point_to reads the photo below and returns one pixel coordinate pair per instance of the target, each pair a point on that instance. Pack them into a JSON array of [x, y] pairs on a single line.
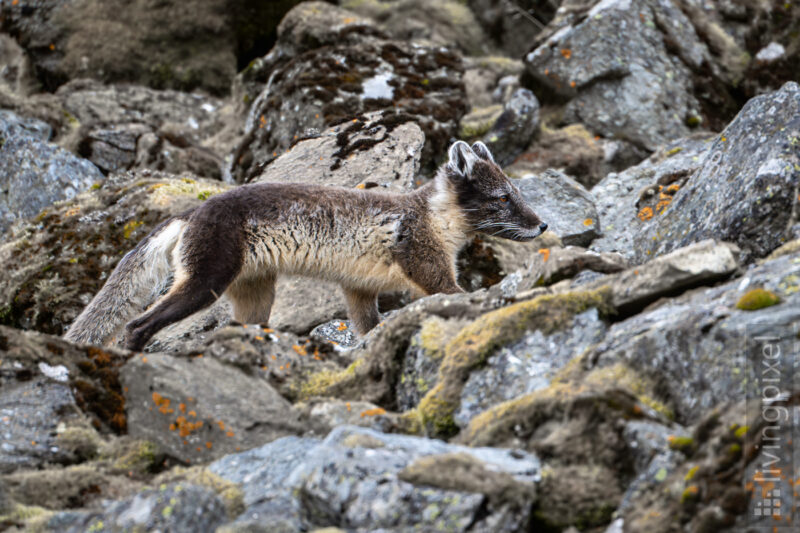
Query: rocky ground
[[611, 376]]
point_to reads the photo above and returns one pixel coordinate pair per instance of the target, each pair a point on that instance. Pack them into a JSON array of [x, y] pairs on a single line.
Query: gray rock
[[693, 346], [703, 263], [564, 204], [555, 264], [340, 332], [34, 174], [745, 188], [127, 126], [355, 478], [511, 24], [303, 303], [514, 128], [176, 507], [30, 412], [390, 161], [526, 365], [626, 84], [198, 409], [440, 22], [13, 125], [618, 194], [489, 80], [310, 90]]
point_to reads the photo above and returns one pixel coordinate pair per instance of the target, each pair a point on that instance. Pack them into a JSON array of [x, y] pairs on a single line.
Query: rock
[[511, 24], [302, 304], [637, 83], [121, 127], [703, 263], [200, 409], [745, 189], [34, 174], [340, 332], [309, 90], [51, 393], [567, 208], [526, 365], [338, 482], [177, 507], [262, 473], [620, 195], [552, 265], [770, 37], [169, 45], [390, 159], [514, 127], [55, 264], [13, 125], [324, 415], [691, 346], [490, 80], [16, 73], [438, 22]]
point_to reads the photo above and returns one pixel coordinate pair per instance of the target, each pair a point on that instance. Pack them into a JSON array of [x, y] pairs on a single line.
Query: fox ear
[[482, 151], [461, 159]]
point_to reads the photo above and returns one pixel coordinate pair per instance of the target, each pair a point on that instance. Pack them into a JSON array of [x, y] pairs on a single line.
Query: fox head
[[490, 203]]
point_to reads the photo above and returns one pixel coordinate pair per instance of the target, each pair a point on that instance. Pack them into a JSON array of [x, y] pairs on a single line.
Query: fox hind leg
[[252, 299], [362, 308]]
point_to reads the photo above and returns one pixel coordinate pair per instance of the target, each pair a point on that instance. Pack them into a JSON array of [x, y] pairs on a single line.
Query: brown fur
[[237, 243]]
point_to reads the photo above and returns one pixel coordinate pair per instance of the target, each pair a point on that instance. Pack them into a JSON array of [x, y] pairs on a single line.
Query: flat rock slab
[[199, 409], [563, 204]]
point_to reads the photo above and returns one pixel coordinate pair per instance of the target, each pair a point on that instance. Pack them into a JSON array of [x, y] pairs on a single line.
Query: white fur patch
[[460, 154]]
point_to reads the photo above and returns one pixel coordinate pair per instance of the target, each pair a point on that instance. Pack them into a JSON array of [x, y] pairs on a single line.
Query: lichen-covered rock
[[120, 127], [440, 22], [490, 80], [746, 188], [54, 264], [35, 174], [337, 483], [623, 199], [564, 204], [692, 346], [526, 365], [50, 390], [198, 409], [170, 45], [637, 81], [551, 265], [175, 507], [320, 77], [13, 125]]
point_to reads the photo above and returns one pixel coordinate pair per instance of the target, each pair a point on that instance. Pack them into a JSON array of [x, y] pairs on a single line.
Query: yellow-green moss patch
[[757, 299], [477, 340], [322, 383]]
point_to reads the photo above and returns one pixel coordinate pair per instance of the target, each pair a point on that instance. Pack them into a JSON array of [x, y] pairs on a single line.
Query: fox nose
[[543, 227]]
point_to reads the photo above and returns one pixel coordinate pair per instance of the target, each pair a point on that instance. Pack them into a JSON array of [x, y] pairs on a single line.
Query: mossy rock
[[757, 299]]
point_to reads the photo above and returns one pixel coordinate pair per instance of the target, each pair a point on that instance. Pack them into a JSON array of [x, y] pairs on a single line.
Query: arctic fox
[[238, 242]]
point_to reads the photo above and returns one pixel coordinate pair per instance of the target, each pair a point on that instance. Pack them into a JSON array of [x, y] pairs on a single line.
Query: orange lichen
[[263, 121], [545, 254], [645, 214], [208, 445], [299, 349], [221, 425], [267, 330], [342, 327], [566, 52], [588, 222], [182, 407], [672, 189], [373, 412], [360, 186], [662, 205], [258, 338], [572, 84], [229, 434]]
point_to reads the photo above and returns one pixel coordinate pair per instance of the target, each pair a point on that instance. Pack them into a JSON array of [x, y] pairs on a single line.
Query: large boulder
[[638, 80], [34, 173], [362, 480], [440, 22], [745, 190], [167, 45], [329, 66]]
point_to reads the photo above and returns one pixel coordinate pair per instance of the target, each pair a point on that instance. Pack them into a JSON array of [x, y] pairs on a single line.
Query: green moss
[[689, 494], [740, 432], [96, 186], [624, 376], [230, 493], [682, 444], [693, 121], [141, 457], [479, 122], [476, 341], [757, 299], [674, 151], [130, 227], [321, 383]]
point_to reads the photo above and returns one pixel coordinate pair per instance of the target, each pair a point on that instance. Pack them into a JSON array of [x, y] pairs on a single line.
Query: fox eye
[[504, 198]]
